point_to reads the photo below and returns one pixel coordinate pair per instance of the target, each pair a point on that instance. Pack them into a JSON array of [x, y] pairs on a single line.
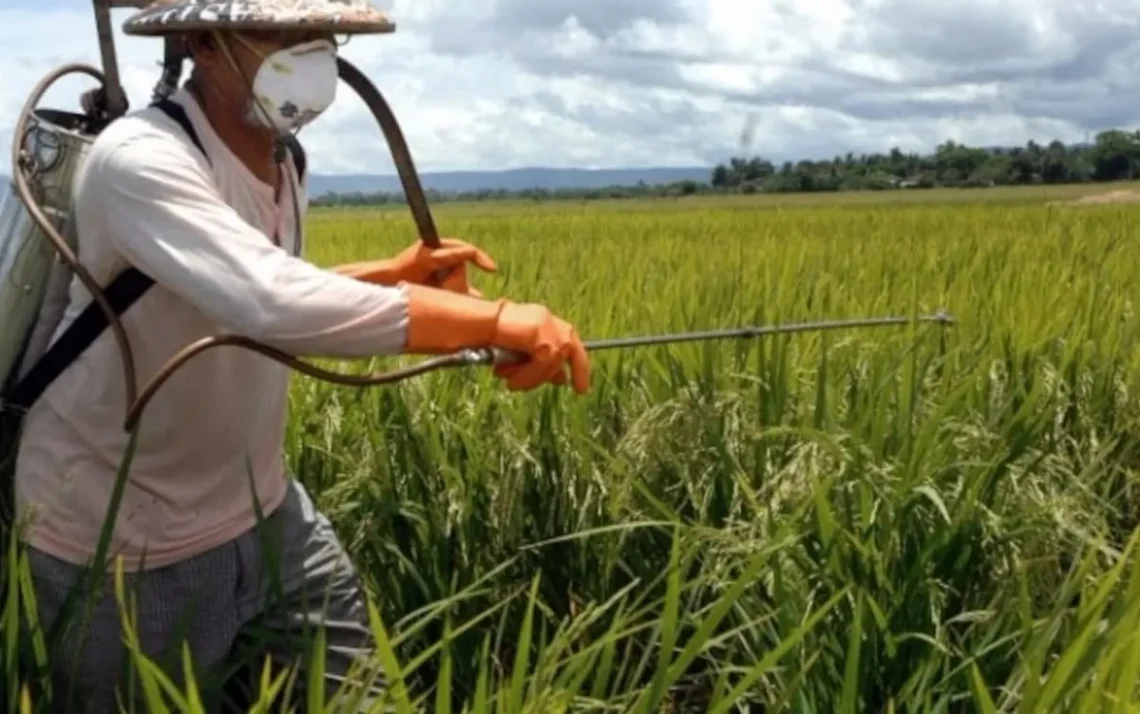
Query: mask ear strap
[[279, 148], [249, 85]]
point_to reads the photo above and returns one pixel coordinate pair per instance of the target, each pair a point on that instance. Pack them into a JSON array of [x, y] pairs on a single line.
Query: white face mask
[[294, 86]]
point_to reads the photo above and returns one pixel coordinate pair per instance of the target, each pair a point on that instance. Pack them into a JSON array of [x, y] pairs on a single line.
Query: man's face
[[247, 49]]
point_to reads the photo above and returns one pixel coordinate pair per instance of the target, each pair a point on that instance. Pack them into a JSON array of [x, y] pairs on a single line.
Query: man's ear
[[202, 49]]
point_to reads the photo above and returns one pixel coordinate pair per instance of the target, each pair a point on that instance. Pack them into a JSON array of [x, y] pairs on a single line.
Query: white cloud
[[483, 84]]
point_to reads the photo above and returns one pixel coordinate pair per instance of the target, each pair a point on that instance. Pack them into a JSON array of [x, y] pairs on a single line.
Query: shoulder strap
[[175, 111], [124, 290], [299, 159]]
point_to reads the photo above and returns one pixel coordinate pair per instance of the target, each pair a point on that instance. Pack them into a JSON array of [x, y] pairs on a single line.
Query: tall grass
[[899, 519]]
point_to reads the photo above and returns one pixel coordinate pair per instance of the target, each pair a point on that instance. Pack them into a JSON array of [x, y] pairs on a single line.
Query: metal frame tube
[[113, 89]]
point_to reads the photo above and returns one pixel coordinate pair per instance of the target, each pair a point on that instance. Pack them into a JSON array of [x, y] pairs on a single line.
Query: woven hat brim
[[182, 16]]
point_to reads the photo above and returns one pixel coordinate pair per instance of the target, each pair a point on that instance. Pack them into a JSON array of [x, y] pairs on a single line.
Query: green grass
[[903, 519], [1027, 193]]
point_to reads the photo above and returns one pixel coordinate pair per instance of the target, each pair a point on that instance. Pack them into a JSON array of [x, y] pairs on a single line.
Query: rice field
[[898, 519]]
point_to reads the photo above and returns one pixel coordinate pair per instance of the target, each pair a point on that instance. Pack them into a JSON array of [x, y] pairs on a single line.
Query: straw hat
[[343, 17]]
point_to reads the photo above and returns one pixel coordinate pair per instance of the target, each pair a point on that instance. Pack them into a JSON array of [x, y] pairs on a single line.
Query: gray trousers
[[228, 607]]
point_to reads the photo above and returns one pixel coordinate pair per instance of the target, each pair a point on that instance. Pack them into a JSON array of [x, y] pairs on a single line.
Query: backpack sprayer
[[38, 248]]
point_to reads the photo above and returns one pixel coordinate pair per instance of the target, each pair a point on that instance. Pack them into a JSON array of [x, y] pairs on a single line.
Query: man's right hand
[[440, 321], [549, 343]]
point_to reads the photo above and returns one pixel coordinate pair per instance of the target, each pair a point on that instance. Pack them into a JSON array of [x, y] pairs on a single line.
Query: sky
[[495, 84]]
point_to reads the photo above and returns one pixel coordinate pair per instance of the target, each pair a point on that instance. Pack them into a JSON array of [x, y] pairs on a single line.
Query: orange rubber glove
[[417, 264], [440, 321]]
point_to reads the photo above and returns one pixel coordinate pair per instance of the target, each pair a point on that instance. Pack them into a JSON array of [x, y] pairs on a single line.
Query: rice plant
[[907, 519]]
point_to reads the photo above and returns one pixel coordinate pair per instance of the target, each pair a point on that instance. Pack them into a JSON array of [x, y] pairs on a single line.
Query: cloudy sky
[[489, 84]]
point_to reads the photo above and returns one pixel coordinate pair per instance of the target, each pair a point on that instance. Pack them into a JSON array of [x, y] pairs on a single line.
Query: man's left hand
[[419, 264]]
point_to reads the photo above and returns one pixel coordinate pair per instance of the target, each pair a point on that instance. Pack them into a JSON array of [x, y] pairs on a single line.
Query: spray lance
[[48, 146], [489, 356]]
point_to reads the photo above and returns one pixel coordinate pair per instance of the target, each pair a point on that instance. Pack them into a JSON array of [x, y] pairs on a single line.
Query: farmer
[[213, 223]]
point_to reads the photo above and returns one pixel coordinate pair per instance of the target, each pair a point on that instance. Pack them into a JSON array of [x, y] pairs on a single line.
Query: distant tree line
[[537, 194], [1113, 156]]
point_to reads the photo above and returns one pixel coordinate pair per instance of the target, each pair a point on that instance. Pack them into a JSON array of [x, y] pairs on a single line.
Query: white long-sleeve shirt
[[147, 197]]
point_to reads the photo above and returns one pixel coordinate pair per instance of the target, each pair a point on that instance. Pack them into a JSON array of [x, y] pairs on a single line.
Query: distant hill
[[510, 180]]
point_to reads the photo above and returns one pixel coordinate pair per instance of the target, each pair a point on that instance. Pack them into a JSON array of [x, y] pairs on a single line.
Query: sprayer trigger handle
[[492, 356], [506, 357]]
